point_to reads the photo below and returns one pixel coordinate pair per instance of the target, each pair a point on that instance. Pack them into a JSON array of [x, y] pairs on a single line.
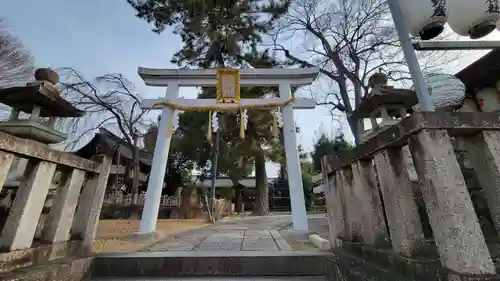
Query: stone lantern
[[42, 101], [384, 105]]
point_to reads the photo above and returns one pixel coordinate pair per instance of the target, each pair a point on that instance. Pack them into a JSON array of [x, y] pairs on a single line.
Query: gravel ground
[[118, 235]]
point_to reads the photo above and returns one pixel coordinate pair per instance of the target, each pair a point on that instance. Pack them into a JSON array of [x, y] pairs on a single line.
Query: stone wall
[[39, 226], [454, 156]]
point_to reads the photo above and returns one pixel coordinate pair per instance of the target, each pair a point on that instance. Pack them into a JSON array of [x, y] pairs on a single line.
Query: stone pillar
[[352, 212], [158, 167], [35, 113], [14, 114], [332, 186], [483, 151], [6, 160], [405, 227], [330, 212], [294, 172], [58, 223], [454, 223], [21, 224], [366, 190], [90, 204], [340, 207]]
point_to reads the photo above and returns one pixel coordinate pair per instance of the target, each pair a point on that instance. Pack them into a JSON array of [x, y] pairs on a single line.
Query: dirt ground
[[118, 235]]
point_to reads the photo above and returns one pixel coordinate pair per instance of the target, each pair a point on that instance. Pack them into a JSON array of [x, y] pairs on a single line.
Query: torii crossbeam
[[175, 78]]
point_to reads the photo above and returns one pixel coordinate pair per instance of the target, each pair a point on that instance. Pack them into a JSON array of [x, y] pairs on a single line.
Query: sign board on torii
[[175, 78]]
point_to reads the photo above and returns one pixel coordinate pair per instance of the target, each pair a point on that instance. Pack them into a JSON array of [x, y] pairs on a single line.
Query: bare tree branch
[[16, 63], [348, 41], [111, 103]]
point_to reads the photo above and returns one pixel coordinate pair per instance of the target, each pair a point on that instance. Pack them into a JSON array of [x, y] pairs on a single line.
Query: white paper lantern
[[472, 18], [488, 100], [447, 92], [469, 105], [424, 18]]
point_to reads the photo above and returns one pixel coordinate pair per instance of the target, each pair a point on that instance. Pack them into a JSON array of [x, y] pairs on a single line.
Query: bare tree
[[349, 41], [111, 103], [16, 63]]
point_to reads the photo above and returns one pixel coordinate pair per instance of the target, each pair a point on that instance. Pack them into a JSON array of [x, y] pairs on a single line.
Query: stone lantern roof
[[42, 94]]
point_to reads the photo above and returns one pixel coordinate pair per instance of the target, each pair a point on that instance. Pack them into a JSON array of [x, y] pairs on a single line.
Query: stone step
[[268, 278], [209, 263], [68, 269]]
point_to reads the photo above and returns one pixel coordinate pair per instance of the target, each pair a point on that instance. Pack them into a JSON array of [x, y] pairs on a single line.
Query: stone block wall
[[445, 159], [38, 227]]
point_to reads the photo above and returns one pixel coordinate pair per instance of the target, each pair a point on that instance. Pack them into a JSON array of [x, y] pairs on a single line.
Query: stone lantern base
[[34, 130]]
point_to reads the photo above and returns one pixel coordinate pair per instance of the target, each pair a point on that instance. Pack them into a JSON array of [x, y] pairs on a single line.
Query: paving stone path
[[241, 234]]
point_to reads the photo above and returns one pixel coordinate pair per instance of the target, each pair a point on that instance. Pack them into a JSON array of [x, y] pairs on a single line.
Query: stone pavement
[[239, 234]]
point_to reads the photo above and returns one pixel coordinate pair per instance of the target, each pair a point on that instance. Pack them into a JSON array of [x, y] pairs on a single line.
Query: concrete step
[[283, 278], [171, 264]]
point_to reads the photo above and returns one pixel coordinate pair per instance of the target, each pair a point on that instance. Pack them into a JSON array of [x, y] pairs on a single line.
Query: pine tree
[[222, 33], [216, 32]]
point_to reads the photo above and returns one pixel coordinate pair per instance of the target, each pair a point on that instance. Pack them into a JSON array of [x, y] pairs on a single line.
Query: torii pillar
[[175, 78]]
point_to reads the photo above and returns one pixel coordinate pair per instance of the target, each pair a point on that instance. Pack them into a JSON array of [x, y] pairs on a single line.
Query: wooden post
[[20, 227], [60, 218]]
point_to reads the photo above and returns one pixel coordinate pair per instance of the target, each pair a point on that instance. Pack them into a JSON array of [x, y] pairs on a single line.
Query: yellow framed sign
[[228, 85]]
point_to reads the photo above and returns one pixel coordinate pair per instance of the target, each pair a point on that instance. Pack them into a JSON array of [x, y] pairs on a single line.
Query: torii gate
[[175, 78]]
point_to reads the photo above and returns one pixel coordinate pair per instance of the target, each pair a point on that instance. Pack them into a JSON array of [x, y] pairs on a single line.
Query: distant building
[[105, 141]]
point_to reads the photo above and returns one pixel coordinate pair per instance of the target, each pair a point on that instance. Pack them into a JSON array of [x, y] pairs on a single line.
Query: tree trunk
[[237, 199], [261, 204], [136, 173]]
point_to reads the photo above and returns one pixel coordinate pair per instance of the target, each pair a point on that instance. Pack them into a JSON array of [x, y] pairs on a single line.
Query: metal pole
[[443, 45], [215, 159], [411, 59]]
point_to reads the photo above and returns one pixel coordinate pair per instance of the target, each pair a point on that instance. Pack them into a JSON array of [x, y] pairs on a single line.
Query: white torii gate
[[175, 78]]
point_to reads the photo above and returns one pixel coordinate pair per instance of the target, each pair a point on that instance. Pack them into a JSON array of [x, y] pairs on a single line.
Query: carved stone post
[[366, 190], [401, 210], [352, 214], [454, 223], [20, 227], [5, 165], [58, 223], [90, 204], [484, 153], [333, 207]]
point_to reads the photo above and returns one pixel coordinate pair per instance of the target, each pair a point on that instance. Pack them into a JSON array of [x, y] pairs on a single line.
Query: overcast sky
[[97, 37]]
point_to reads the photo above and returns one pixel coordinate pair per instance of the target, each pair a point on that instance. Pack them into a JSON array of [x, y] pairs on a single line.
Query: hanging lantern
[[447, 92], [469, 105], [475, 19], [424, 18], [488, 100]]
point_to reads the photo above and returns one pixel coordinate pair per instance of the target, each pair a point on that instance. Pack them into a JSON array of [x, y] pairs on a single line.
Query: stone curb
[[319, 242]]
